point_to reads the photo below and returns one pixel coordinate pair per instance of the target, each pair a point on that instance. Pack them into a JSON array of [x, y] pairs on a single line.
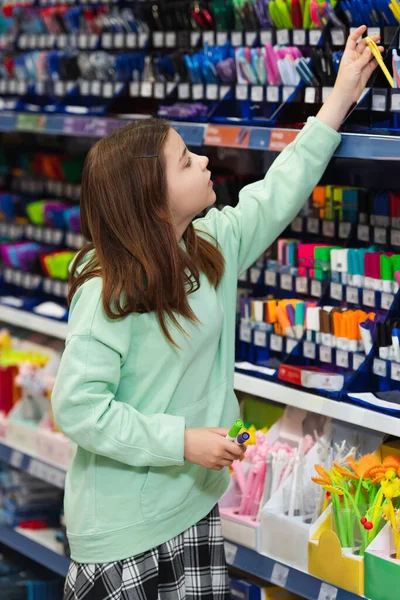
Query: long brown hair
[[127, 222]]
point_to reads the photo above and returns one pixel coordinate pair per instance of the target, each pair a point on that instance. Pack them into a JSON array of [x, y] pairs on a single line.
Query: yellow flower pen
[[377, 55]]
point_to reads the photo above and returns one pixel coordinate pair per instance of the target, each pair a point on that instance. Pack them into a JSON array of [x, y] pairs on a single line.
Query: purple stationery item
[[226, 70]]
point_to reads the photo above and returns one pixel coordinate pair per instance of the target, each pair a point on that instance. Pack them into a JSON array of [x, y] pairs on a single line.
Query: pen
[[234, 430]]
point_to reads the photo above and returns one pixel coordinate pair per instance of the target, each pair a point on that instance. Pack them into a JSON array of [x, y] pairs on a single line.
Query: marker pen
[[299, 320], [242, 438], [234, 430]]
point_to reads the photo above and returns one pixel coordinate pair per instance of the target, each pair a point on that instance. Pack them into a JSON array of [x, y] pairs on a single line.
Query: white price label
[[84, 88], [287, 282], [312, 225], [106, 40], [146, 89], [287, 92], [245, 333], [171, 85], [250, 38], [310, 95], [336, 291], [212, 91], [344, 230], [395, 237], [257, 93], [297, 224], [93, 41], [230, 552], [170, 39], [260, 338], [95, 88], [302, 285], [363, 233], [197, 91], [255, 274], [272, 93], [158, 39], [342, 359], [62, 40], [395, 107], [237, 38], [316, 288], [291, 344], [223, 91], [119, 40], [337, 36], [309, 350], [299, 37], [380, 236], [386, 300], [131, 40], [369, 298], [16, 459], [83, 40], [328, 228], [195, 37], [209, 38], [266, 37], [379, 367], [183, 91], [326, 91], [108, 89], [276, 342], [379, 101], [222, 38], [352, 295], [396, 222], [59, 88], [282, 37], [395, 371], [314, 36], [325, 354], [143, 39], [327, 592], [358, 360], [242, 92], [373, 31], [270, 278], [159, 90], [279, 575]]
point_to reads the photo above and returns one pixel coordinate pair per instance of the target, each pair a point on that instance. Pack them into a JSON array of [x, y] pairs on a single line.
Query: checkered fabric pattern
[[191, 566]]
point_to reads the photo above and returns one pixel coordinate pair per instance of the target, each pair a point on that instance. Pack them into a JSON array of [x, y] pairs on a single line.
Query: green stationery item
[[322, 261], [395, 265], [386, 267], [35, 212]]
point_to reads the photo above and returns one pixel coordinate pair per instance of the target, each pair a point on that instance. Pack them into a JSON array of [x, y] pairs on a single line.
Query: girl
[[145, 386]]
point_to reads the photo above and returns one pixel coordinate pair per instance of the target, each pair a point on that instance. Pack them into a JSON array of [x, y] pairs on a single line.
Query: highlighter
[[235, 430], [299, 320]]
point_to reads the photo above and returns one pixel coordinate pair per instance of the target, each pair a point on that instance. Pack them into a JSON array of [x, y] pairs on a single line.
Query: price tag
[[158, 39], [131, 40], [386, 300], [83, 40], [108, 89], [23, 41], [276, 342], [95, 88], [379, 101], [287, 92], [230, 552], [297, 225], [310, 95], [260, 338], [272, 93], [314, 36], [146, 89], [242, 92], [106, 40], [302, 285], [342, 359], [328, 228], [255, 274], [170, 39], [282, 37], [134, 88], [395, 371], [270, 278], [299, 37], [379, 367], [309, 350], [245, 333], [143, 39], [250, 37], [39, 88], [209, 38], [363, 233], [369, 298], [17, 277], [374, 31], [93, 40], [266, 37], [119, 40], [84, 88], [257, 93], [197, 91], [352, 295], [325, 354], [312, 225], [380, 236], [358, 360], [344, 230], [337, 36], [21, 88], [212, 91], [395, 106], [159, 90], [291, 344], [336, 291], [316, 288], [183, 91], [236, 38], [326, 91], [279, 575], [59, 88], [327, 592], [195, 37], [396, 222], [171, 85], [16, 459], [395, 237], [222, 38], [58, 289], [287, 282]]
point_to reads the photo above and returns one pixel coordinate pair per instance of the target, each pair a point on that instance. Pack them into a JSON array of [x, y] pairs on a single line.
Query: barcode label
[[309, 350], [279, 575]]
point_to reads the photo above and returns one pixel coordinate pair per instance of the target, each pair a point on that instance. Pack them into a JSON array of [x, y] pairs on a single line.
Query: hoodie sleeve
[[84, 400], [267, 207]]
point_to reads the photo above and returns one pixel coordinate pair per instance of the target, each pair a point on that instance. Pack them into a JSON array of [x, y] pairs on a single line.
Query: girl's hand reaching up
[[356, 67]]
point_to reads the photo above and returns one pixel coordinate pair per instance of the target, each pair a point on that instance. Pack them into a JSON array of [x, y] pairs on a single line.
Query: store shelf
[[22, 318], [36, 466], [362, 146], [38, 546], [317, 404], [266, 569]]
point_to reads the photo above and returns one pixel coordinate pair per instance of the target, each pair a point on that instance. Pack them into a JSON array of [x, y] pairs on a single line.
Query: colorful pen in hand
[[242, 438], [234, 430]]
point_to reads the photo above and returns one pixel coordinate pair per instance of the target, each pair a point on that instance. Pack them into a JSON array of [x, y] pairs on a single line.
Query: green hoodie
[[124, 394]]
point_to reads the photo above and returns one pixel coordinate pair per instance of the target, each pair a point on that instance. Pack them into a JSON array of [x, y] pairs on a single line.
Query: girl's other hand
[[209, 448]]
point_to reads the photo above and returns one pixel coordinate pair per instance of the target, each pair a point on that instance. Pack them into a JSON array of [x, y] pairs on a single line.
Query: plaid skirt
[[191, 566]]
